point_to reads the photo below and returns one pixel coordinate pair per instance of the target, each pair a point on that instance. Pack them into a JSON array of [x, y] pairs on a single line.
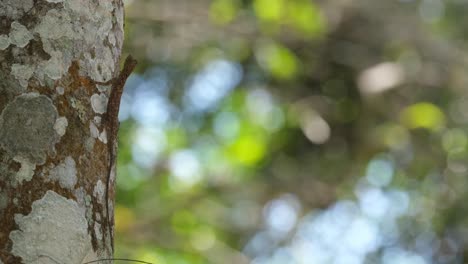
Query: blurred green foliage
[[294, 131]]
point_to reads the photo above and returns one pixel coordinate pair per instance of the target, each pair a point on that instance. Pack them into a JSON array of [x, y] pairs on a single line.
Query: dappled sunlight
[[294, 132], [263, 110], [423, 115], [212, 84], [185, 167], [148, 144], [315, 128], [226, 125], [281, 214], [379, 172], [277, 60], [347, 231], [380, 78]]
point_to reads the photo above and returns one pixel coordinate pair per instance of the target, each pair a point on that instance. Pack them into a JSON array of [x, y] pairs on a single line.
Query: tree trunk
[[59, 61]]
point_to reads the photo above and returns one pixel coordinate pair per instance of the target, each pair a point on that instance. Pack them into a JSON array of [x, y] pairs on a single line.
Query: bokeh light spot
[[185, 167], [423, 115], [248, 150], [277, 60], [269, 10], [379, 172]]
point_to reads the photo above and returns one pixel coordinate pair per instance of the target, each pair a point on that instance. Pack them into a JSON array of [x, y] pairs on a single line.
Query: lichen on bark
[[55, 56], [54, 232], [28, 127]]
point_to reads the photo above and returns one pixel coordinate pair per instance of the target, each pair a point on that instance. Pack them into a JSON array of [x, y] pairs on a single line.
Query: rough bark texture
[[58, 59]]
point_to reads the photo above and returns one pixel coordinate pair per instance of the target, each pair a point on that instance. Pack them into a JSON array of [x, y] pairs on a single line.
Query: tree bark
[[59, 61]]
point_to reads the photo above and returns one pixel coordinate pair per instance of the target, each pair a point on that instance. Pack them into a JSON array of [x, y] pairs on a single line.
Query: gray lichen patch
[[103, 88], [27, 127], [19, 35], [70, 33], [60, 126], [65, 173], [93, 130], [67, 31], [15, 9], [99, 103], [22, 73], [80, 108], [103, 136], [97, 120], [99, 191], [60, 90], [26, 172], [89, 144], [80, 199], [97, 231], [79, 195], [4, 42], [54, 232], [89, 209]]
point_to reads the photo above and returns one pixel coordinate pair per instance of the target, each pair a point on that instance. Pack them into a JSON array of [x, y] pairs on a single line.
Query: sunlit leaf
[[423, 115], [278, 60], [223, 11], [306, 17], [269, 10], [247, 150]]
